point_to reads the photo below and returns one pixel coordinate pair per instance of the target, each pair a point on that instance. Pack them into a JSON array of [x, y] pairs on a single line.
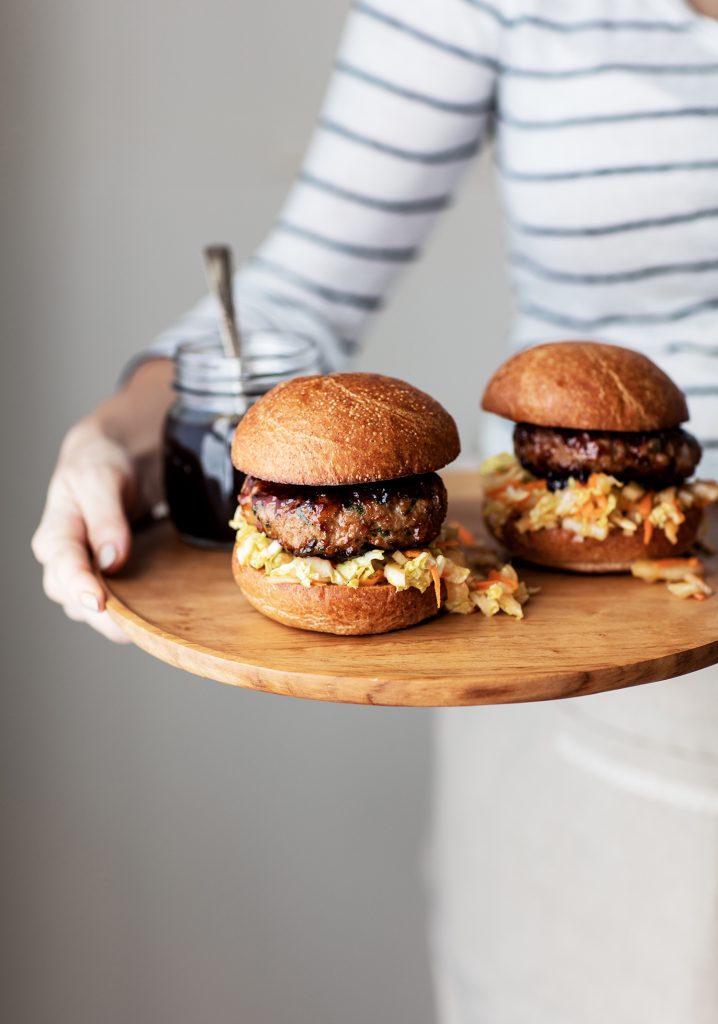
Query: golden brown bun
[[586, 386], [343, 428], [558, 549], [334, 609]]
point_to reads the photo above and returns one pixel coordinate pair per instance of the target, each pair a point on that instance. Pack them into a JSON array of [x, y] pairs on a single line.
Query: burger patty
[[340, 522], [659, 458]]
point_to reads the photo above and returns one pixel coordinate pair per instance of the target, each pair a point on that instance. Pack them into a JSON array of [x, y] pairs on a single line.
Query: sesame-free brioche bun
[[585, 385], [344, 428], [332, 608], [557, 548]]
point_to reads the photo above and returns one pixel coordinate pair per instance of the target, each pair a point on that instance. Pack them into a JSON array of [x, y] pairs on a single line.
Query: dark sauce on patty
[[341, 522], [655, 458]]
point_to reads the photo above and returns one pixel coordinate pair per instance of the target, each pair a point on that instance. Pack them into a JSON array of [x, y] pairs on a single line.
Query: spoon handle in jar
[[218, 267]]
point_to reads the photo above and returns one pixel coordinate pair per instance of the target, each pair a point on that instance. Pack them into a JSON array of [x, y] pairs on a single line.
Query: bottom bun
[[558, 549], [333, 608]]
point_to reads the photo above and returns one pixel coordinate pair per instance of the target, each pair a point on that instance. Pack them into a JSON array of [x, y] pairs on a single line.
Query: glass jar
[[213, 393]]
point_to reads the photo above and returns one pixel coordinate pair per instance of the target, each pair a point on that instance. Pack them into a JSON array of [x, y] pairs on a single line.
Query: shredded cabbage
[[683, 576], [399, 569], [256, 549], [590, 509]]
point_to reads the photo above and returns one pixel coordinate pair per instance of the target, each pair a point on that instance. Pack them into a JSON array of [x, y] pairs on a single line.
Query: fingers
[[84, 525], [68, 581], [85, 601], [101, 622], [68, 577], [99, 495], [109, 628], [84, 509]]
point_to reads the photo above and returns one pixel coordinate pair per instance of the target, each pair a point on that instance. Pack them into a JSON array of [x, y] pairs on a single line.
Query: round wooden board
[[580, 635]]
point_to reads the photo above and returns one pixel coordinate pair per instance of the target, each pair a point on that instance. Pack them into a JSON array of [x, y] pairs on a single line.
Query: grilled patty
[[340, 522], [659, 458]]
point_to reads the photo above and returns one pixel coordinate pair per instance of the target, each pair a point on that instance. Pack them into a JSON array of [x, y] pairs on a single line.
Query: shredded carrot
[[590, 510], [412, 553], [700, 596], [481, 584], [465, 536], [593, 508], [510, 584], [668, 563], [645, 505], [434, 570]]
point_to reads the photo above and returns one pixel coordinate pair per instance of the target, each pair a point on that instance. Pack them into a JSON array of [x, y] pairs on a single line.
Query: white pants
[[574, 861]]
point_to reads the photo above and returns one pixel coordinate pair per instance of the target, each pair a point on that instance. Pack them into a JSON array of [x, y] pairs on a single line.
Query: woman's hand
[[85, 521], [107, 474]]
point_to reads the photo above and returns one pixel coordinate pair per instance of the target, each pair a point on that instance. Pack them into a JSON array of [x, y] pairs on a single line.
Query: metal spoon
[[218, 268]]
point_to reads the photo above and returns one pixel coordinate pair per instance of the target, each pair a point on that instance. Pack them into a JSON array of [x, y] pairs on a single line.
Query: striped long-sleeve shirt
[[605, 120]]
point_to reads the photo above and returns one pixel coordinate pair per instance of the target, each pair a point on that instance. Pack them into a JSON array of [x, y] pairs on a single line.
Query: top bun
[[345, 428], [584, 385]]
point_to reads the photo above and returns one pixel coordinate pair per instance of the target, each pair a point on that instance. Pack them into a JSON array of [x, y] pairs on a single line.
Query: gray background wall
[[175, 850]]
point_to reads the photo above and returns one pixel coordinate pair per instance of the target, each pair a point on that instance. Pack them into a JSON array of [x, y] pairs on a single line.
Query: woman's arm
[[405, 113]]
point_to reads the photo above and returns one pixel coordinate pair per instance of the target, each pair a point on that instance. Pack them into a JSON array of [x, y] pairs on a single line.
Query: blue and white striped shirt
[[605, 120]]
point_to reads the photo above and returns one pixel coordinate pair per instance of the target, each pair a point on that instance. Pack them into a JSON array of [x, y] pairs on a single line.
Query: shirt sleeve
[[406, 110]]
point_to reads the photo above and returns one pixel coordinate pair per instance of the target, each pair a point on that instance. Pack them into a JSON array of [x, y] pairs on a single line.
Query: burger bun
[[558, 549], [343, 428], [333, 608], [584, 385]]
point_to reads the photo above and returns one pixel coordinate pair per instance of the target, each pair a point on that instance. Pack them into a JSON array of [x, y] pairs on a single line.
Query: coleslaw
[[587, 509], [445, 560]]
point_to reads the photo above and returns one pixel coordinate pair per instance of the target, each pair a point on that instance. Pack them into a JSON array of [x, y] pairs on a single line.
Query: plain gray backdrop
[[176, 850]]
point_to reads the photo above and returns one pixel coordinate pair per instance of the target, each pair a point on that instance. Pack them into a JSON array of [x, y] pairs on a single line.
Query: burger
[[341, 504], [599, 474]]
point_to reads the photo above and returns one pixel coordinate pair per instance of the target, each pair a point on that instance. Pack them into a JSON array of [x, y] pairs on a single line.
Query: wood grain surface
[[580, 635]]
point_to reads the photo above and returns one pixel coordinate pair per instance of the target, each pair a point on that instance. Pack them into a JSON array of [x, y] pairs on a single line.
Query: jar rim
[[269, 356], [288, 347]]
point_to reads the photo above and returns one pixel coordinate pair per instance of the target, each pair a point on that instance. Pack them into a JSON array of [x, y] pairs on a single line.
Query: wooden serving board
[[580, 635]]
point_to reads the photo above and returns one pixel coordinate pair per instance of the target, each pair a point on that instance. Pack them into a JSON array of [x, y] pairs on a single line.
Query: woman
[[575, 859]]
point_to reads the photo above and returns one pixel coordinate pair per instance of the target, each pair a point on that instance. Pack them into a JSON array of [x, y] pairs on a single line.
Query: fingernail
[[89, 601], [106, 556]]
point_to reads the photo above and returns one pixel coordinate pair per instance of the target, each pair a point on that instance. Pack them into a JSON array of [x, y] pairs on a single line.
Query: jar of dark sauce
[[213, 393]]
